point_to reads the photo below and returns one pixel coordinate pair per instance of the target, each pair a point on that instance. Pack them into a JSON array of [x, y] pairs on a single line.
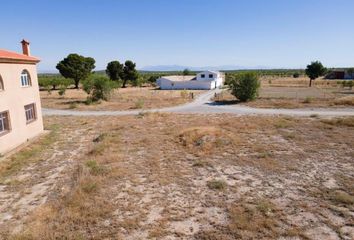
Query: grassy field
[[122, 99], [288, 92], [165, 176]]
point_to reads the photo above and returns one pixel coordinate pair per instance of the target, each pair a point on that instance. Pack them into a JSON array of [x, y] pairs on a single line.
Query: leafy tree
[[99, 87], [186, 72], [315, 70], [129, 72], [245, 86], [76, 67], [115, 70]]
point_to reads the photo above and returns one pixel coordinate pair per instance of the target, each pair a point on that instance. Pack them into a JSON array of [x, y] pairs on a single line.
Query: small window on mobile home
[[202, 76]]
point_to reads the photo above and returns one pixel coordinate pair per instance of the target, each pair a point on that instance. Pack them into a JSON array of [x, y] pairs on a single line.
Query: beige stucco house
[[20, 106]]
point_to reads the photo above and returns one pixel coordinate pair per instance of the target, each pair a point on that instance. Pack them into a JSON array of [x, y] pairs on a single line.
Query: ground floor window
[[4, 122], [30, 111]]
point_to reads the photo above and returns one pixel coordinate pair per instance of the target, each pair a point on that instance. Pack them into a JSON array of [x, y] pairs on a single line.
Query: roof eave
[[19, 61]]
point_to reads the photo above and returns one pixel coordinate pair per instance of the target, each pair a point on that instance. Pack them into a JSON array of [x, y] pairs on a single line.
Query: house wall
[[207, 78], [166, 84], [13, 99], [217, 77]]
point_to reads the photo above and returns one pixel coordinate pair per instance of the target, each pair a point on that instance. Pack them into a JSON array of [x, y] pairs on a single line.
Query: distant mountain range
[[181, 68]]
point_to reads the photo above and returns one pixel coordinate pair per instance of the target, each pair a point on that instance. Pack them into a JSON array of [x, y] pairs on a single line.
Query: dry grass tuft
[[348, 100], [216, 184], [346, 122], [259, 218], [205, 139], [341, 197]]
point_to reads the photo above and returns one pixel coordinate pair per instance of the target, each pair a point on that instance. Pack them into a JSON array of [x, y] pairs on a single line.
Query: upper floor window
[[4, 122], [30, 111], [25, 79], [1, 84], [202, 76], [211, 75]]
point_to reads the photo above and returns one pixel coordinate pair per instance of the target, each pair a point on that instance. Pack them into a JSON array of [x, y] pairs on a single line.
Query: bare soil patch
[[166, 176], [122, 99]]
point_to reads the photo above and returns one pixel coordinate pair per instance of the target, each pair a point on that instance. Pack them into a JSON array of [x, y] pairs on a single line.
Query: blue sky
[[249, 33]]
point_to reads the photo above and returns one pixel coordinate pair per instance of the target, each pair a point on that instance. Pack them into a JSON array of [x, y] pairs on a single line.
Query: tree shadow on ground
[[224, 102]]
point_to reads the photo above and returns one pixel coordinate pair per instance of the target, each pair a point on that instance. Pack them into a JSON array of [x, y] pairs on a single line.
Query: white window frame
[[25, 79], [30, 113], [4, 121]]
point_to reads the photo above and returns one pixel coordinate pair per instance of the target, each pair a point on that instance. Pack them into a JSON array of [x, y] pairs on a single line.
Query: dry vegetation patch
[[285, 92], [121, 99], [205, 139], [166, 176]]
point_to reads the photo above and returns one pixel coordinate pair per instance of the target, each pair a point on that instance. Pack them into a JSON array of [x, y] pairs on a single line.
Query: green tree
[[186, 72], [115, 70], [245, 86], [315, 70], [129, 72], [99, 87], [76, 67]]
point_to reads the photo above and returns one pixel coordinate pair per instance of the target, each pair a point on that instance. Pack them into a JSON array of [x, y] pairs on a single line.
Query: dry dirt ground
[[165, 176], [288, 92], [121, 99]]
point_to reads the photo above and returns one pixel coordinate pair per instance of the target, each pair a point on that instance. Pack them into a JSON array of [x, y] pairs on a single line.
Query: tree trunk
[[310, 82], [124, 82], [77, 84]]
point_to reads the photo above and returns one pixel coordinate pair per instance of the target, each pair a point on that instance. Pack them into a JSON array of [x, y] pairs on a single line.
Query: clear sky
[[249, 33]]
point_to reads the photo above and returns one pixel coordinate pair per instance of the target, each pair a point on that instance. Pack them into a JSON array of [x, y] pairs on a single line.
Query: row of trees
[[79, 68], [119, 72]]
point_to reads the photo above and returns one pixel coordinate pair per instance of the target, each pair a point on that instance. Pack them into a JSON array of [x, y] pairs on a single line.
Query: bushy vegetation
[[99, 87], [347, 83], [54, 82], [296, 75], [244, 86]]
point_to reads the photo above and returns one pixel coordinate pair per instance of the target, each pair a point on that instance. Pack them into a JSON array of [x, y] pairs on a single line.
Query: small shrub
[[95, 168], [307, 100], [245, 86], [99, 88], [62, 90], [296, 75], [139, 104], [72, 106], [216, 184], [184, 93], [89, 186]]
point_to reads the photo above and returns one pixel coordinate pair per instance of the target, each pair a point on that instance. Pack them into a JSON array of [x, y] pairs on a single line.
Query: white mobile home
[[204, 81]]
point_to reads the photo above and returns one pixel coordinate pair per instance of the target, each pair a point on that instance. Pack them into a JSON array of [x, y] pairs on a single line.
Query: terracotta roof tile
[[13, 56]]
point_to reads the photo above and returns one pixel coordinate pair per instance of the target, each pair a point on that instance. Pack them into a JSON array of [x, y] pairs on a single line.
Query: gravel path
[[203, 105]]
